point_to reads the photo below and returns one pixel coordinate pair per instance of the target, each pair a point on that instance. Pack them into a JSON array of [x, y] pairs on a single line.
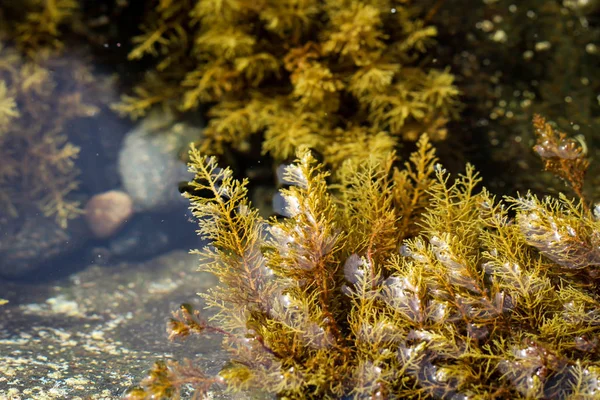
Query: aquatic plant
[[39, 24], [563, 156], [41, 93], [345, 77], [394, 283]]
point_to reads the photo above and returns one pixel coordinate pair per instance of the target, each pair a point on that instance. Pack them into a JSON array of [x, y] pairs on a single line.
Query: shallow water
[[86, 316], [96, 333]]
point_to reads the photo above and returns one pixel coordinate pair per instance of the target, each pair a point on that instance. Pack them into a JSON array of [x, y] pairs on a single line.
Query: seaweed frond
[[38, 100], [168, 379], [395, 283], [38, 25], [561, 229], [411, 187], [8, 108], [563, 156], [236, 232], [307, 73]]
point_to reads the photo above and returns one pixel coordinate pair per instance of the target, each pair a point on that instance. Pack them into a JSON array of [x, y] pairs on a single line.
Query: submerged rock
[[149, 162], [147, 235], [107, 212], [33, 241], [96, 334]]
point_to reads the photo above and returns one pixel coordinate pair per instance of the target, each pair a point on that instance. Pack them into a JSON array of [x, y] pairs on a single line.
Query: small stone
[[107, 212]]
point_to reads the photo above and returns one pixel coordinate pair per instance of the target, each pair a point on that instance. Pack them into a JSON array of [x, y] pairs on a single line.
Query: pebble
[[107, 212]]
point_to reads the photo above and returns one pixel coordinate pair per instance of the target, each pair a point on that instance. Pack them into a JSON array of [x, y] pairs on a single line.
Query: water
[[87, 312], [96, 332]]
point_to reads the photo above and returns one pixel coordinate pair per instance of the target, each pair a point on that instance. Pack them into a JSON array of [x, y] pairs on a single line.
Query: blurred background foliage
[[348, 78], [43, 88]]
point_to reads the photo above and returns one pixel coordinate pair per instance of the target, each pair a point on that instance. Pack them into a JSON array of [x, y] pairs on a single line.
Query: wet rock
[[33, 241], [107, 212], [95, 334], [149, 162], [99, 140], [148, 235]]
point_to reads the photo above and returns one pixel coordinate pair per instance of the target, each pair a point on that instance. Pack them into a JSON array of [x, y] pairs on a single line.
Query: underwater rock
[[99, 141], [31, 242], [107, 212], [149, 165], [148, 235], [90, 336]]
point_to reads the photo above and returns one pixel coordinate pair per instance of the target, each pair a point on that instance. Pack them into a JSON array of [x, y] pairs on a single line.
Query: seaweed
[[394, 283], [564, 157], [41, 92], [39, 24], [338, 76]]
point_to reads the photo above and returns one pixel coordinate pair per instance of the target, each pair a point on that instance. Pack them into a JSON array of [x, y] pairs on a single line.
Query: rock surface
[[149, 162], [32, 241], [95, 334], [147, 235]]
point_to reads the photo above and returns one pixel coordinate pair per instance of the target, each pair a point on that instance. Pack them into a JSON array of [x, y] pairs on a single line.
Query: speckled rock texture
[[95, 334]]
